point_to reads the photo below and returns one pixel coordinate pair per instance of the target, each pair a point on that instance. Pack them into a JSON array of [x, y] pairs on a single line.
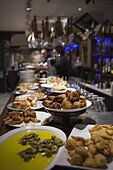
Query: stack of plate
[[27, 76]]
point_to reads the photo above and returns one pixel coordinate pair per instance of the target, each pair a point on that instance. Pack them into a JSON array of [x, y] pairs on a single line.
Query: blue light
[[74, 46], [97, 70]]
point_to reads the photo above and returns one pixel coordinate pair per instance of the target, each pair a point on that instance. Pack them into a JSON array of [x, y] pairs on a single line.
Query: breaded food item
[[72, 96], [100, 160], [40, 95], [24, 105], [59, 98], [47, 103], [16, 104], [98, 147], [26, 119], [23, 90], [79, 92], [51, 98], [76, 105], [70, 144], [30, 98], [90, 162], [14, 122], [58, 87], [66, 104], [92, 149], [82, 98], [69, 100], [88, 141], [35, 120], [56, 105], [34, 102], [82, 103], [76, 160], [77, 138]]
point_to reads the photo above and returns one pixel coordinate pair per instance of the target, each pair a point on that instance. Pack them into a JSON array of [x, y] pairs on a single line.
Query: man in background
[[43, 64]]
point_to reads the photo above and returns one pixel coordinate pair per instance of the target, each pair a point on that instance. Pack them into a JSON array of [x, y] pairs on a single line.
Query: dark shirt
[[63, 67]]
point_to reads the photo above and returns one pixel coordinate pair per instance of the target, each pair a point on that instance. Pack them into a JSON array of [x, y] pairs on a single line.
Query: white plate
[[35, 87], [31, 90], [69, 111], [9, 106], [53, 130], [24, 96], [64, 154], [42, 116], [43, 79], [63, 91], [47, 85]]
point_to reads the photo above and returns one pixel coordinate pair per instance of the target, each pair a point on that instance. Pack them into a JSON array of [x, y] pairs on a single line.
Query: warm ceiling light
[[28, 6], [79, 9], [28, 9], [29, 38]]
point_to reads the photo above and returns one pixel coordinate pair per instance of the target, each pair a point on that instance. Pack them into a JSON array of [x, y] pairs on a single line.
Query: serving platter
[[9, 148], [47, 85], [69, 111], [29, 91], [24, 96], [62, 91], [40, 106], [64, 154], [44, 118]]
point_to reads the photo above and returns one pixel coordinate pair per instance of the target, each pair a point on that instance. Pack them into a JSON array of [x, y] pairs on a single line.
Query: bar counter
[[65, 122]]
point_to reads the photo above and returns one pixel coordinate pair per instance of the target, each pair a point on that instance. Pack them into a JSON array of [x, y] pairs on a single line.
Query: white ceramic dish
[[64, 154], [53, 130], [60, 92], [43, 79], [24, 96], [69, 111], [31, 90], [42, 116], [47, 85], [9, 106]]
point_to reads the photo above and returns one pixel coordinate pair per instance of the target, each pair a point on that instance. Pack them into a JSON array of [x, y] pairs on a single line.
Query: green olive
[[26, 157], [24, 142], [48, 153], [43, 146], [54, 149], [50, 141], [41, 150], [33, 150], [29, 136]]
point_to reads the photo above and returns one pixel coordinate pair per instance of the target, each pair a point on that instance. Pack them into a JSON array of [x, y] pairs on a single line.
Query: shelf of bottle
[[97, 54], [108, 75], [106, 53], [96, 70]]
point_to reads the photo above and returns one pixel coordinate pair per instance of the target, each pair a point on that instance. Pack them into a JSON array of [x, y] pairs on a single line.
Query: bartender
[[62, 64], [43, 64], [44, 67]]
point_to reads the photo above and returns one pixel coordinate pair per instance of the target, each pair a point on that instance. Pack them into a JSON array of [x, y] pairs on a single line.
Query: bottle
[[108, 26], [103, 68], [111, 65], [108, 66]]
